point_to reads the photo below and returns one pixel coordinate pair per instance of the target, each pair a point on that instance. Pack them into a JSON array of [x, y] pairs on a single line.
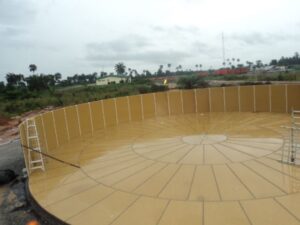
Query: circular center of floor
[[204, 139]]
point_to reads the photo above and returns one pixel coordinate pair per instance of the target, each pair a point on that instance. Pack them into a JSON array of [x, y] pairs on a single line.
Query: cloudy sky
[[85, 36]]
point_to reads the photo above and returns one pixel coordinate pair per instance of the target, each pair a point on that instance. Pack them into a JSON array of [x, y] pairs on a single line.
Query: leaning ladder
[[35, 159], [291, 146]]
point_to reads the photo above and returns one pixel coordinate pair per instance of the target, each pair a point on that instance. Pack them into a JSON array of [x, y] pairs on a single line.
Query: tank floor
[[204, 169]]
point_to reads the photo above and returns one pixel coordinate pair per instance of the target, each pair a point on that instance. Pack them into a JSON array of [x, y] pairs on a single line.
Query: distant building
[[227, 71], [113, 80]]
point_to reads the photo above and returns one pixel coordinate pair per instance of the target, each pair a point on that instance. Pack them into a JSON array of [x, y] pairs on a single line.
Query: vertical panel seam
[[286, 99], [239, 97], [91, 117], [44, 131], [209, 99], [55, 131], [168, 100], [103, 114], [224, 99], [129, 110], [67, 124], [142, 107], [196, 103], [270, 98], [154, 98], [254, 100], [182, 107], [78, 119], [116, 110]]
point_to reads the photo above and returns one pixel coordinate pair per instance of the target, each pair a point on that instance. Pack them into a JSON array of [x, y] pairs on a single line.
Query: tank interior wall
[[60, 126]]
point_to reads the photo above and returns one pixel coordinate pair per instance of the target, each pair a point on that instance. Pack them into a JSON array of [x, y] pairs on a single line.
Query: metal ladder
[[35, 159], [291, 146]]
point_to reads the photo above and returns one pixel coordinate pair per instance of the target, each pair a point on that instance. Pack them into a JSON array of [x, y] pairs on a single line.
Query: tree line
[[286, 61]]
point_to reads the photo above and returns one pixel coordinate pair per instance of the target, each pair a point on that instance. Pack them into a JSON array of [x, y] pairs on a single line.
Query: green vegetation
[[19, 98], [21, 94], [189, 82], [278, 76]]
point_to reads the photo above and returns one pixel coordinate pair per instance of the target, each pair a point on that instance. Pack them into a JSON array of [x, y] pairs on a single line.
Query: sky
[[86, 36]]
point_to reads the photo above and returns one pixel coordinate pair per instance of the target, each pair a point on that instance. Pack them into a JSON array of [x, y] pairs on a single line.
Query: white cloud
[[75, 36]]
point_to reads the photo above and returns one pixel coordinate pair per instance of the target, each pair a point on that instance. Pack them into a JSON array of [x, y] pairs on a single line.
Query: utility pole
[[223, 47]]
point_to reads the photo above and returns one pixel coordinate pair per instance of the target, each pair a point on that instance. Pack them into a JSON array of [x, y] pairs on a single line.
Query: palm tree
[[120, 68], [169, 66], [196, 67], [200, 65], [32, 68]]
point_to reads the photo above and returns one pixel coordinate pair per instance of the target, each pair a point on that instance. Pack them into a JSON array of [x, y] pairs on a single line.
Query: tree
[[169, 66], [148, 73], [57, 77], [160, 70], [259, 63], [41, 82], [103, 74], [16, 80], [120, 68], [191, 82], [2, 87], [32, 68], [273, 62]]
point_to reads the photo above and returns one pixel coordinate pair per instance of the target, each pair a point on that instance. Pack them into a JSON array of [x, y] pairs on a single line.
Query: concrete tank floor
[[209, 169]]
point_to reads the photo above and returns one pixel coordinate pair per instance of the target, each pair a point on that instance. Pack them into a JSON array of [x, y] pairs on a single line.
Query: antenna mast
[[223, 47]]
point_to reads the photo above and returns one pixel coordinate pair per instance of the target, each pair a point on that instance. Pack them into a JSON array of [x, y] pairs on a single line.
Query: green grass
[[70, 96]]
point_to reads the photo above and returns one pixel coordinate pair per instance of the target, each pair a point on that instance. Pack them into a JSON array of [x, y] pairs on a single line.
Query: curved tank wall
[[64, 125]]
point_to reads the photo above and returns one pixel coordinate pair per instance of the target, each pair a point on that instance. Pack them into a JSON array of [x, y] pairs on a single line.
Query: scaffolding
[[291, 142]]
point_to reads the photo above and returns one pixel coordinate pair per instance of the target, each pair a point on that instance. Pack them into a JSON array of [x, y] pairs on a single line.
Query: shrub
[[157, 88], [191, 82]]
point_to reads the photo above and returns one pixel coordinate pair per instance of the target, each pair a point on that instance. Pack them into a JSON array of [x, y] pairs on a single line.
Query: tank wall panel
[[109, 112], [85, 118], [293, 94], [202, 98], [161, 104], [231, 99], [61, 126], [72, 122], [188, 100], [217, 100], [50, 130], [278, 103], [136, 107], [122, 109], [175, 102], [148, 105], [41, 134], [246, 98], [97, 115], [262, 98]]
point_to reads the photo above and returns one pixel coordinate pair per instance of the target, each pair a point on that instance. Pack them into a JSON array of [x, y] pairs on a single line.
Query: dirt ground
[[14, 208], [9, 126]]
